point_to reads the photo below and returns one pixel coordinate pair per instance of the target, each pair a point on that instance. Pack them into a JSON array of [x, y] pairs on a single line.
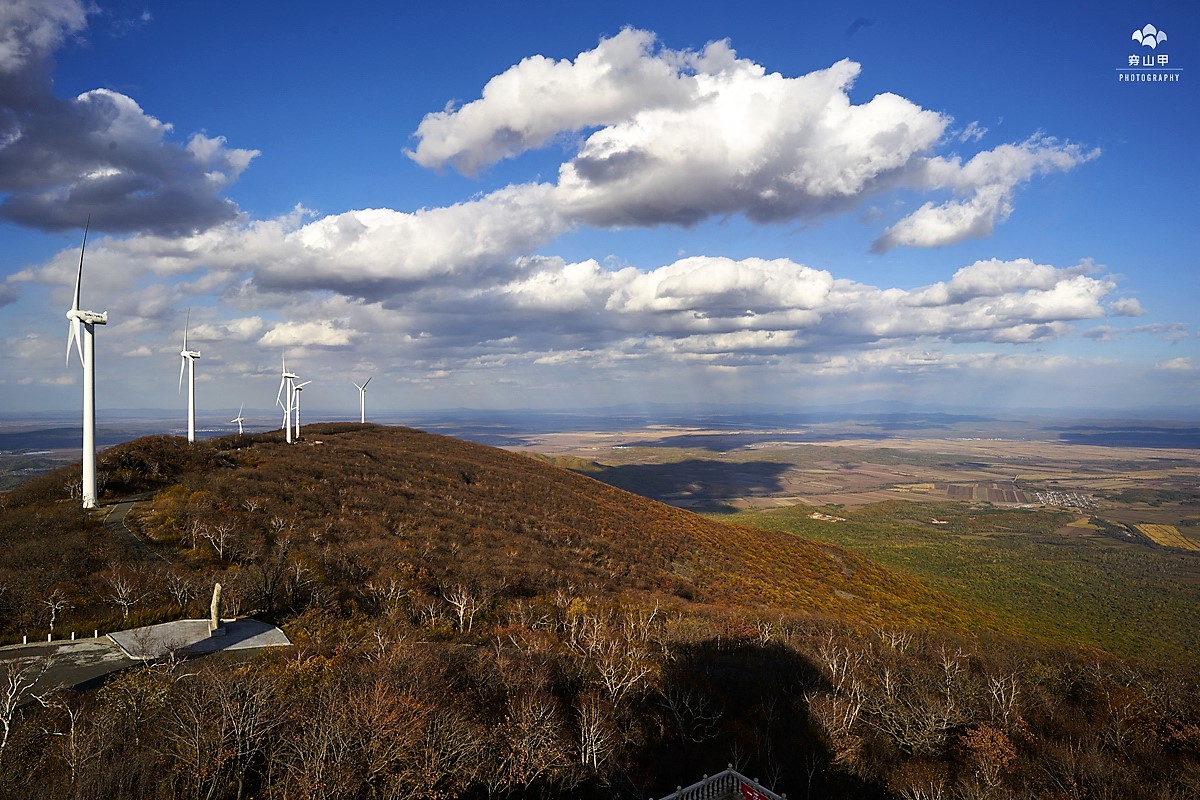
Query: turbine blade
[[278, 401], [73, 328], [368, 380], [186, 320], [182, 362], [79, 275]]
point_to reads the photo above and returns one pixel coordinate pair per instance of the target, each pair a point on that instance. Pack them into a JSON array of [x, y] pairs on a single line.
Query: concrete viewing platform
[[75, 662], [188, 638]]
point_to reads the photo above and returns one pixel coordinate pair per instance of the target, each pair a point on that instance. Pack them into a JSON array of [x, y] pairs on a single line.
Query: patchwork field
[[1167, 536], [1069, 541], [1113, 490]]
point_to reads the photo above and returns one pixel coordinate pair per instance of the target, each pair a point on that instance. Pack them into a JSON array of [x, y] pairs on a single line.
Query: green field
[[1127, 599]]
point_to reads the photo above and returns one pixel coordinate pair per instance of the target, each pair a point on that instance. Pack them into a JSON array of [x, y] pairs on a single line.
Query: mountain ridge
[[471, 622]]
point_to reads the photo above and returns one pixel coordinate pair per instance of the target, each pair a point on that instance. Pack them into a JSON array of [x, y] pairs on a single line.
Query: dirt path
[[115, 521]]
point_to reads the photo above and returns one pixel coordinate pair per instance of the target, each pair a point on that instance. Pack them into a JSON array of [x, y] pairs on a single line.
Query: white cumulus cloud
[[1181, 364], [529, 104], [322, 333], [990, 179], [684, 136]]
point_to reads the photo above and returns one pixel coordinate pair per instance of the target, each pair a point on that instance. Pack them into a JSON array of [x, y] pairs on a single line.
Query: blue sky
[[528, 204]]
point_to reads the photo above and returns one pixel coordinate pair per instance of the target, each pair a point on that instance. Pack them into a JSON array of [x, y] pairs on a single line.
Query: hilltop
[[368, 506], [473, 622]]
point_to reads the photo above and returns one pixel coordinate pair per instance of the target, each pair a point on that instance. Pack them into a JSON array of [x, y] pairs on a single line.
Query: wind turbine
[[362, 399], [296, 404], [189, 357], [81, 330], [239, 419], [286, 381]]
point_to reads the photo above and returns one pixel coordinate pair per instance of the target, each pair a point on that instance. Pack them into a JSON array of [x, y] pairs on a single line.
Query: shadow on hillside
[[685, 482], [727, 442], [1129, 436], [744, 703]]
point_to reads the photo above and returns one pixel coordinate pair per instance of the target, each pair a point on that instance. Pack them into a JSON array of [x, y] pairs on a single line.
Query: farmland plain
[[1083, 536]]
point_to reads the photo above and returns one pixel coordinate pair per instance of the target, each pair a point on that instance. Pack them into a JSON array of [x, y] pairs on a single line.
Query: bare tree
[[85, 739], [598, 735], [1003, 691], [465, 606], [219, 726], [299, 578], [220, 537], [384, 596], [197, 531], [56, 604], [695, 715], [267, 571], [622, 667], [898, 640], [123, 596], [17, 686], [536, 745], [182, 590]]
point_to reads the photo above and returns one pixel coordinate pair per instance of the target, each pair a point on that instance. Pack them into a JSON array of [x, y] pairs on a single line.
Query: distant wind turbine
[[362, 399], [188, 358], [239, 419], [296, 404], [287, 381], [82, 332]]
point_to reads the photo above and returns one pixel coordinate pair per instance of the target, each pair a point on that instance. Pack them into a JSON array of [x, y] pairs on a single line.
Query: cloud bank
[[98, 154], [655, 137]]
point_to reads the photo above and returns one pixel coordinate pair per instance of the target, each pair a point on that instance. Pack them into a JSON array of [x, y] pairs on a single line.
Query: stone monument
[[214, 620]]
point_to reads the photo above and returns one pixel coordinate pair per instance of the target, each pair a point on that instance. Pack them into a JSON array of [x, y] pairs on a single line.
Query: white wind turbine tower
[[81, 330], [239, 419], [296, 404], [286, 381], [362, 399], [188, 357]]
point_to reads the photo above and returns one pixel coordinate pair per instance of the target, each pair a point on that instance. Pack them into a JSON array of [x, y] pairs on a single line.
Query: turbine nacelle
[[76, 319], [88, 317]]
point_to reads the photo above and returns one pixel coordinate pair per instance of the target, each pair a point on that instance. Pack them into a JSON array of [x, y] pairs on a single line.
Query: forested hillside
[[474, 623]]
